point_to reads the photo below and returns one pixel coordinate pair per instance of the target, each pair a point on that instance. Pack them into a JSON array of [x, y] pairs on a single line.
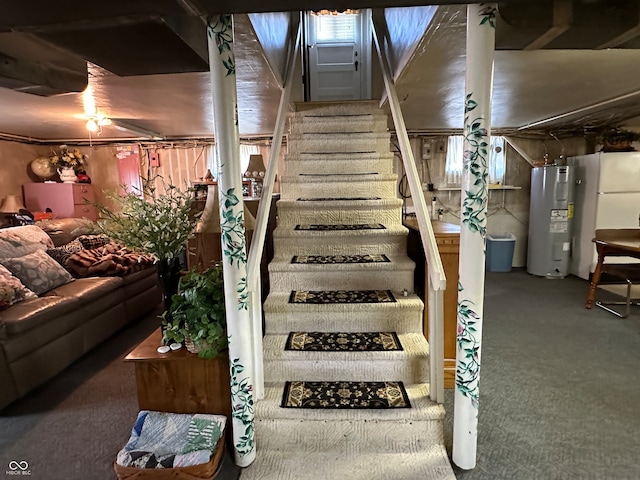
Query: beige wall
[[102, 166], [508, 210], [15, 158], [14, 166]]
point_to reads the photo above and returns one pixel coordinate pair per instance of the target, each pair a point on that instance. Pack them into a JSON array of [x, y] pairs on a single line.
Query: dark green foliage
[[198, 312]]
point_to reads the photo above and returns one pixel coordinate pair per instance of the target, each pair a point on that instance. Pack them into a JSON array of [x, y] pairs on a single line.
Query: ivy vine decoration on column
[[233, 240], [475, 161], [488, 15], [222, 32], [468, 370], [232, 226], [242, 391]]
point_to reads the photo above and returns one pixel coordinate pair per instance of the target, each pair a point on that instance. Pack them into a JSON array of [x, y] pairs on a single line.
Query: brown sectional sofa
[[41, 336]]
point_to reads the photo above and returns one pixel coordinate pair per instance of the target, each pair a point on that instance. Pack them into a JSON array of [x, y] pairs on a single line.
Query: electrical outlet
[[426, 151]]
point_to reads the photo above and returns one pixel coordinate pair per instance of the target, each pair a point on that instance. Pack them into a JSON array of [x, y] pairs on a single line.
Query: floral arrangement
[[68, 158], [158, 224]]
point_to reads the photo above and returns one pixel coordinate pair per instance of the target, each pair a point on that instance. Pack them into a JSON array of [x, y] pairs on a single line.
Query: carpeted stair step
[[338, 142], [410, 365], [343, 108], [385, 211], [366, 122], [338, 186], [405, 315], [397, 274], [374, 430], [320, 163], [391, 239], [352, 461]]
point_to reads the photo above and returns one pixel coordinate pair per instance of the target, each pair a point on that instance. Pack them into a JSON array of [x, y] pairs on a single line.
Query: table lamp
[[11, 205]]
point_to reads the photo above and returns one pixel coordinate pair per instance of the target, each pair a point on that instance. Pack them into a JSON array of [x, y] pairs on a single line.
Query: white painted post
[[234, 250], [477, 126]]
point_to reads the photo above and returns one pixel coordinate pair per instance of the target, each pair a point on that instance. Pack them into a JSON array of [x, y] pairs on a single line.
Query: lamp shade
[[256, 166], [210, 219], [11, 204]]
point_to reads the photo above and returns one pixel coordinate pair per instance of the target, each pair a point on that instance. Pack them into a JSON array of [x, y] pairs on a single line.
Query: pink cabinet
[[64, 199]]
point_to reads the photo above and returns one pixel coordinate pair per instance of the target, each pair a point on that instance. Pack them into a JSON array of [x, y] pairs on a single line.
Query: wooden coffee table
[[180, 381]]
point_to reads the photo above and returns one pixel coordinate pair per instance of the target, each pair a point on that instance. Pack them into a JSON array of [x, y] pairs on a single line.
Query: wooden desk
[[448, 241], [617, 242], [180, 381]]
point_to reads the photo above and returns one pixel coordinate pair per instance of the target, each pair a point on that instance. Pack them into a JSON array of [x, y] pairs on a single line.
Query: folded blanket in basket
[[169, 440]]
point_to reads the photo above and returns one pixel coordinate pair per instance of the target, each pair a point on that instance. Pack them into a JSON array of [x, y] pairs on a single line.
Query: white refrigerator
[[607, 195]]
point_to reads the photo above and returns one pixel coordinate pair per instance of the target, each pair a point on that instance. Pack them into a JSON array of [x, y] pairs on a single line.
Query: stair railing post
[[262, 215], [473, 229], [234, 256], [437, 280]]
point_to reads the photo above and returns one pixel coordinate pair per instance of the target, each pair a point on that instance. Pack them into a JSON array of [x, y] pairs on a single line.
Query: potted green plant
[[617, 139], [197, 313]]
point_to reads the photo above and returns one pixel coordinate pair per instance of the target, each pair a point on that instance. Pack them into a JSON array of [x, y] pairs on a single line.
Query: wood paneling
[[448, 240], [180, 381]]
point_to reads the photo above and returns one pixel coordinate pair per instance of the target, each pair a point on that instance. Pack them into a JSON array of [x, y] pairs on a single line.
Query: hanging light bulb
[[91, 125]]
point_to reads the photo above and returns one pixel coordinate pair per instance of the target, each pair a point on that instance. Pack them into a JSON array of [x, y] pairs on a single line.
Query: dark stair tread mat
[[335, 199], [336, 174], [343, 342], [332, 259], [340, 226], [345, 395], [341, 296]]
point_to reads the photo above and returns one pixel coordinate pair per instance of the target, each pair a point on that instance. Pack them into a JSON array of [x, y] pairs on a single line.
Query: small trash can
[[500, 248]]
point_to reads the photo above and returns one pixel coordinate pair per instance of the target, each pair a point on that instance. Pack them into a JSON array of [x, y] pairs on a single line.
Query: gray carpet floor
[[560, 389], [72, 427], [559, 395]]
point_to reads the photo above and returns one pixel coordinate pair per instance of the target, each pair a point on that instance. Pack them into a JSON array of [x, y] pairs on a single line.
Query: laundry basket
[[180, 436]]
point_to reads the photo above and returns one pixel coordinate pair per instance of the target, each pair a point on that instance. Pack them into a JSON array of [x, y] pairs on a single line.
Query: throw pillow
[[38, 271], [11, 289], [62, 253], [18, 241], [94, 241]]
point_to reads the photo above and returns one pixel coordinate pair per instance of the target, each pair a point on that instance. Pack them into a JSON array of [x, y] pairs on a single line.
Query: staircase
[[340, 235]]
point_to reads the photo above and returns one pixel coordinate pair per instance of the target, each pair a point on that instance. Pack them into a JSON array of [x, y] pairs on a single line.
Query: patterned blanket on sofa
[[111, 259]]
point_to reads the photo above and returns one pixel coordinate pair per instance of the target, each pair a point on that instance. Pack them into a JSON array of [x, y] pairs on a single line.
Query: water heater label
[[559, 221], [571, 210]]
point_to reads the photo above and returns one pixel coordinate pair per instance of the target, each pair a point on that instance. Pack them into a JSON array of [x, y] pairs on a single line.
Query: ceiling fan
[[96, 118]]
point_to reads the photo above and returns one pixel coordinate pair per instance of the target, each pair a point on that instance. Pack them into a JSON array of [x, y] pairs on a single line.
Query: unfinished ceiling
[[555, 67]]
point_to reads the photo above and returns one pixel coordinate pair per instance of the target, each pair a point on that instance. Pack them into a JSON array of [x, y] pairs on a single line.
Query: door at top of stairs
[[338, 54]]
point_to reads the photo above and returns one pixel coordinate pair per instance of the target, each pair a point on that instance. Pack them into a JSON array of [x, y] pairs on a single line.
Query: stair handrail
[[262, 216], [437, 280]]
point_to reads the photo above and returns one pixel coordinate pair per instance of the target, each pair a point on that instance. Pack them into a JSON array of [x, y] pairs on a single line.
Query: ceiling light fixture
[[346, 11], [92, 125]]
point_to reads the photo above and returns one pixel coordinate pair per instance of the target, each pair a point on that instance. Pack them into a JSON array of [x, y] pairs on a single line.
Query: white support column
[[477, 126], [234, 250]]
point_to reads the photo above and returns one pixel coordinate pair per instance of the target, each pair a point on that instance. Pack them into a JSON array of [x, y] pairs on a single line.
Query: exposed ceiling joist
[[562, 21], [623, 38]]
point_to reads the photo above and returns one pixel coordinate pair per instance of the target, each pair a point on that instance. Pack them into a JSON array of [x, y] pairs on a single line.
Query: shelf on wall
[[500, 187]]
